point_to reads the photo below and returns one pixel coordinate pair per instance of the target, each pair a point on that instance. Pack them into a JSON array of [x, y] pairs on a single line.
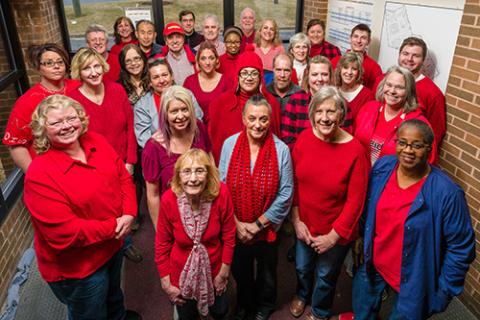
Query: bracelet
[[259, 225]]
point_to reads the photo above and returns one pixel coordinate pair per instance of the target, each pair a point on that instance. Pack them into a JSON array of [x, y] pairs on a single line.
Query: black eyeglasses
[[414, 145]]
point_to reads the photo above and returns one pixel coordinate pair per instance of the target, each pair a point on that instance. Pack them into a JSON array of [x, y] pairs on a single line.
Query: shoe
[[297, 307], [346, 316], [261, 316], [132, 315], [310, 316], [241, 314], [133, 254]]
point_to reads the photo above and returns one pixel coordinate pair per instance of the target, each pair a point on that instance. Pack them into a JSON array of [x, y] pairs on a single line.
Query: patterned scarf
[[253, 193], [196, 277]]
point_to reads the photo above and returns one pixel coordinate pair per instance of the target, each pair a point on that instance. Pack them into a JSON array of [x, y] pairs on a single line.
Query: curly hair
[[41, 143], [212, 189]]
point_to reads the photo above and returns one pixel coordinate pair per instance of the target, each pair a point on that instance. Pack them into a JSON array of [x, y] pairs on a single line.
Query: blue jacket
[[438, 243]]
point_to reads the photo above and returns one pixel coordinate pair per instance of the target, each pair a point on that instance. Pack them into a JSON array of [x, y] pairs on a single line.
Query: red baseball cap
[[172, 27]]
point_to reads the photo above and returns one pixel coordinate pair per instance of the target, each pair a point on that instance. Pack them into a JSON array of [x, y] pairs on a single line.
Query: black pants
[[256, 293], [218, 311]]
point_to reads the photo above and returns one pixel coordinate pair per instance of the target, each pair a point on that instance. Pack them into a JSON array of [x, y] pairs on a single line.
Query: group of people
[[226, 140]]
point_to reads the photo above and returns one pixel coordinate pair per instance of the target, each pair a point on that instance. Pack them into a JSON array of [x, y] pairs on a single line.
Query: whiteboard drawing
[[398, 26]]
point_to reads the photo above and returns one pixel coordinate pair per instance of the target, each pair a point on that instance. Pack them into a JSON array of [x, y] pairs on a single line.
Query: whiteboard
[[437, 26]]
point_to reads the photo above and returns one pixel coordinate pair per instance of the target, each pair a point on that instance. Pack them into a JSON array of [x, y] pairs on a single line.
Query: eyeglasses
[[133, 60], [51, 63], [245, 74], [59, 124], [187, 173], [415, 145]]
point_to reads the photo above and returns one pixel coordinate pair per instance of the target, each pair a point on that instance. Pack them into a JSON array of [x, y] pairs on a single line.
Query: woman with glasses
[[233, 39], [178, 131], [225, 112], [418, 235], [377, 121], [257, 169], [207, 84], [194, 246], [133, 72], [82, 204], [160, 76], [52, 63]]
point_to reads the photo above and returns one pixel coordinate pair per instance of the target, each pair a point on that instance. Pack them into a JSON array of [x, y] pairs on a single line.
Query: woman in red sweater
[[378, 120], [106, 104], [207, 84], [233, 39], [331, 171], [124, 32], [82, 204], [52, 62], [348, 79], [194, 247]]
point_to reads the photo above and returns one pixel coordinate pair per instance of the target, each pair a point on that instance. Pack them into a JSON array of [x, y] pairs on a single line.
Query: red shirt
[[381, 134], [228, 65], [74, 207], [113, 73], [330, 184], [113, 118], [117, 47], [365, 95], [18, 132], [173, 246], [392, 211], [204, 98]]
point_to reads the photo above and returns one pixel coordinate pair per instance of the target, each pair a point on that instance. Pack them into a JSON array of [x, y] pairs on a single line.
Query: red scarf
[[253, 193]]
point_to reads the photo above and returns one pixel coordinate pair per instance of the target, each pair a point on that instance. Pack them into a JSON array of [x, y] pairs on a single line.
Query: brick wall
[[460, 154], [314, 9], [37, 22]]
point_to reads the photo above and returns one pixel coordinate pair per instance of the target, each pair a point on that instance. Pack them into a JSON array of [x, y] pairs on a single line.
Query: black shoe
[[133, 254], [132, 315], [261, 316]]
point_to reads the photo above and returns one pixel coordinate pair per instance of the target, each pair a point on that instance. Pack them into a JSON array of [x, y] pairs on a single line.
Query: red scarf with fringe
[[253, 192]]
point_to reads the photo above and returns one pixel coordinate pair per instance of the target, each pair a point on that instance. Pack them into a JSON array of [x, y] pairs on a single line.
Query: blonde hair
[[212, 189], [41, 143], [276, 40], [345, 60], [85, 56], [181, 94], [306, 74]]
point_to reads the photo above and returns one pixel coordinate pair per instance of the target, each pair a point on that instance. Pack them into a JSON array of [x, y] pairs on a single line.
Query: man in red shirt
[[360, 38]]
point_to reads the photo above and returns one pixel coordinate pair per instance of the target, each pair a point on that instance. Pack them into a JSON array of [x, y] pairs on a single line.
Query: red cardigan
[[366, 121], [74, 207], [330, 184], [113, 119], [173, 246]]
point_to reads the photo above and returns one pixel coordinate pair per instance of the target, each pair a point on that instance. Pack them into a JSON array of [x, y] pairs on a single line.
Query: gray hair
[[213, 17], [257, 100], [298, 38], [422, 126], [325, 93], [96, 28], [410, 103], [245, 10]]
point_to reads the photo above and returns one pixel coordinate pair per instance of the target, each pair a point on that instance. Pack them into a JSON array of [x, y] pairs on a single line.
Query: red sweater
[[113, 119], [74, 207], [18, 132], [365, 95], [366, 122], [431, 103], [204, 98], [228, 65], [330, 184], [113, 73], [173, 246]]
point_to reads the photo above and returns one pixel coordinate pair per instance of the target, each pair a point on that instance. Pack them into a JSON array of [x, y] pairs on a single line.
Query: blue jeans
[[367, 294], [326, 269], [95, 297]]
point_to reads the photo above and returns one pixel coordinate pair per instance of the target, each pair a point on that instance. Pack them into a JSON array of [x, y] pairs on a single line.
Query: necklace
[[52, 92]]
